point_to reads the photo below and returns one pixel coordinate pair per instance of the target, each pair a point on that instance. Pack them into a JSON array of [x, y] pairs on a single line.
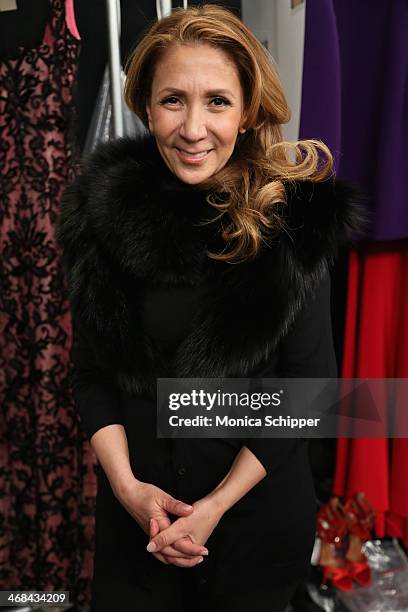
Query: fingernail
[[201, 560], [204, 551], [151, 547], [188, 507]]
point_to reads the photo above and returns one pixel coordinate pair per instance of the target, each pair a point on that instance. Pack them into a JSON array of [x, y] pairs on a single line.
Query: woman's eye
[[222, 100], [218, 101], [169, 100]]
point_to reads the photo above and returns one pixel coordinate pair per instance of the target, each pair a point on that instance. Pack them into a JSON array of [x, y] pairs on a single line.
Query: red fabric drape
[[376, 346]]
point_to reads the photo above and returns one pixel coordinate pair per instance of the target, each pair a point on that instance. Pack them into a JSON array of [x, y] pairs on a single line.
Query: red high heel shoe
[[360, 517], [332, 529]]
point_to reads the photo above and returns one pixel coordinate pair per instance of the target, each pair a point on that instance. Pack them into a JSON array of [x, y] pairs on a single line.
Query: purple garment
[[321, 109], [355, 99]]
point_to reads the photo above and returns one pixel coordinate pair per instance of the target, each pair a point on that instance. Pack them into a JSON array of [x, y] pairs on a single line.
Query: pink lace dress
[[46, 472]]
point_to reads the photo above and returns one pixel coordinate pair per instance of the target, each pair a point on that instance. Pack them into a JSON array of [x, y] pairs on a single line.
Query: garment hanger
[[164, 7]]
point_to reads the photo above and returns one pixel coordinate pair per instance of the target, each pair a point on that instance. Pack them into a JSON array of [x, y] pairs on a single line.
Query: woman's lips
[[188, 158]]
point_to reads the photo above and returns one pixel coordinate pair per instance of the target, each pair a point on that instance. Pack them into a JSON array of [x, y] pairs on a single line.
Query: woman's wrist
[[125, 486], [245, 473], [218, 501], [111, 449]]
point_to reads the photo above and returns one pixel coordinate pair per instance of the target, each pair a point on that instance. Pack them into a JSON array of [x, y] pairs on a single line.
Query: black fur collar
[[128, 218]]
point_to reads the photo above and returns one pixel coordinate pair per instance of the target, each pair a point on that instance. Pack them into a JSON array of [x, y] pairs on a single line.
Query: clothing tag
[[8, 5]]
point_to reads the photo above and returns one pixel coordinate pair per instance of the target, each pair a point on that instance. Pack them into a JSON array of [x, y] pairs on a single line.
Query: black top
[[167, 314], [306, 351], [282, 505]]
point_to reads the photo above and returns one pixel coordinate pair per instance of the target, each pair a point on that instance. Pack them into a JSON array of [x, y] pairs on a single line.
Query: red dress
[[376, 345]]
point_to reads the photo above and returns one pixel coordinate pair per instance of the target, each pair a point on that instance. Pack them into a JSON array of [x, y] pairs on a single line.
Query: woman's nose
[[193, 126]]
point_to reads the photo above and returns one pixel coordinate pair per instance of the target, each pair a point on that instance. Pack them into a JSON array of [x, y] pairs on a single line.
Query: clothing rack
[[115, 67]]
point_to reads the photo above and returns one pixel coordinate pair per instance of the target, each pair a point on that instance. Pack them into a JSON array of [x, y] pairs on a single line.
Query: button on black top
[[181, 471]]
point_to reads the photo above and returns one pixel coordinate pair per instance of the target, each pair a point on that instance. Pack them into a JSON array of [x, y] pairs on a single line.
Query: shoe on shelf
[[360, 518], [332, 530]]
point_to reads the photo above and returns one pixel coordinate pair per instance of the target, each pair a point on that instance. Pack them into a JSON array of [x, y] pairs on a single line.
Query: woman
[[201, 250]]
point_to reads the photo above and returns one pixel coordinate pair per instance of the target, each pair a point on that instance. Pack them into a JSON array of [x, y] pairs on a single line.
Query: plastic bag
[[388, 591], [101, 125]]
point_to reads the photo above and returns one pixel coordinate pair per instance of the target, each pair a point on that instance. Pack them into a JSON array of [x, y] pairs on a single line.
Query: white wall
[[282, 28]]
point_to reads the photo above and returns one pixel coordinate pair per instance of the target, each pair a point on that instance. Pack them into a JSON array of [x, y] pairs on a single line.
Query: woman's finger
[[154, 528], [163, 522], [184, 551], [188, 547], [166, 537], [185, 562], [171, 552]]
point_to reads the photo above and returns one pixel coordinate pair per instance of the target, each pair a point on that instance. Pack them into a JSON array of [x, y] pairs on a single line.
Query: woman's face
[[196, 110]]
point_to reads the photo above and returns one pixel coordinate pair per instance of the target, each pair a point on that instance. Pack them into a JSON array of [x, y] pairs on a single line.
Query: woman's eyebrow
[[209, 93]]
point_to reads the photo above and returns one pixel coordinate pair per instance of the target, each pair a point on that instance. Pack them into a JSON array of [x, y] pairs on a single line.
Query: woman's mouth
[[192, 158]]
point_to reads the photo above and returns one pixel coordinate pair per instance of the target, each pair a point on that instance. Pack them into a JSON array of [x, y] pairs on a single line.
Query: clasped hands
[[179, 543]]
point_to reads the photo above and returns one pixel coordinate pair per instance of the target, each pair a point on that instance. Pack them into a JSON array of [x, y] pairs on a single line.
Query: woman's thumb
[[175, 506], [154, 528]]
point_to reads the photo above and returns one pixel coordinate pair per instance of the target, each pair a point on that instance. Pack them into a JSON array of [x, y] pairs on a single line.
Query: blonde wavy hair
[[252, 180]]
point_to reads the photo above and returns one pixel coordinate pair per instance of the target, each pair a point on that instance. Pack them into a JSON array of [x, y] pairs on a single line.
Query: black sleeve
[[96, 398], [307, 351]]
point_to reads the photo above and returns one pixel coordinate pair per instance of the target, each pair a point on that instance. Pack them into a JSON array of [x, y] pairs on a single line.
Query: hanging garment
[[360, 112], [355, 99], [321, 114], [376, 345], [46, 472]]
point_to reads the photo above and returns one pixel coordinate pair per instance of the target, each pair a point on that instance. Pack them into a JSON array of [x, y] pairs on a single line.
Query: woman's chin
[[192, 176]]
